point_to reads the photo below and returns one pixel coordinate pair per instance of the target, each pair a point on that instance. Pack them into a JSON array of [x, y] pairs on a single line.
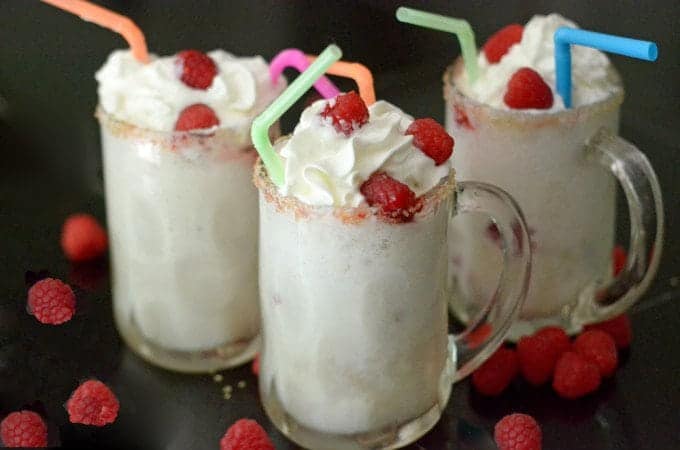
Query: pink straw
[[294, 58]]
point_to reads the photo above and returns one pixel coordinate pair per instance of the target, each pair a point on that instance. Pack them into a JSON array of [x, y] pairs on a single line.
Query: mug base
[[224, 356]]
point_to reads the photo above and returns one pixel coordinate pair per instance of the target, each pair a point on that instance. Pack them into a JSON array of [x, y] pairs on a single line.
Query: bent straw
[[259, 132], [107, 19], [565, 37], [461, 28], [359, 73], [292, 57]]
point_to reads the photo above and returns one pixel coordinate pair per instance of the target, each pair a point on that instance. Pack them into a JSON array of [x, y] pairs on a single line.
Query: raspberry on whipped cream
[[324, 167], [591, 68]]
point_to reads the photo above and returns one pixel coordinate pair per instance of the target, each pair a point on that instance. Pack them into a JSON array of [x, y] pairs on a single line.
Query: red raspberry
[[196, 117], [395, 199], [618, 328], [518, 432], [619, 258], [93, 403], [500, 42], [23, 429], [527, 90], [255, 367], [496, 373], [246, 434], [82, 238], [195, 69], [432, 139], [599, 348], [575, 376], [51, 301], [348, 112], [539, 352]]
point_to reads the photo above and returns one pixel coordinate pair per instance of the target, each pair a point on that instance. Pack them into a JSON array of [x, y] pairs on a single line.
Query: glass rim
[[431, 201], [490, 113]]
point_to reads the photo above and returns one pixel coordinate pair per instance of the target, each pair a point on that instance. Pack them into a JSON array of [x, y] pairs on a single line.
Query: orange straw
[[107, 19], [358, 72]]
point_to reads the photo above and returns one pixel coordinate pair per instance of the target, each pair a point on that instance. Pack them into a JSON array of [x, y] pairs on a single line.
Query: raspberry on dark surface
[[497, 372], [518, 432], [432, 139], [23, 429], [395, 200], [619, 328], [575, 376], [195, 69], [347, 112], [93, 403], [51, 301], [599, 348], [246, 434], [539, 353], [83, 238], [196, 117], [500, 42], [527, 90]]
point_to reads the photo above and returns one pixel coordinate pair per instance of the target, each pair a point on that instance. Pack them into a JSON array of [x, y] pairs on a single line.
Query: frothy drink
[[181, 206]]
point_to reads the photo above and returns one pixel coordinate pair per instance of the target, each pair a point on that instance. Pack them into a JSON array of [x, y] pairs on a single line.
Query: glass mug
[[182, 218], [356, 350], [562, 168]]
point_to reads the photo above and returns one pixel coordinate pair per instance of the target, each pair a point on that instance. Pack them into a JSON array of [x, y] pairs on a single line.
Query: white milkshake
[[354, 301], [181, 209], [539, 156]]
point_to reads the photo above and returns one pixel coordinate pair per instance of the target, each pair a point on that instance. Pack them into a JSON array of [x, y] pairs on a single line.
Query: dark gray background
[[50, 166]]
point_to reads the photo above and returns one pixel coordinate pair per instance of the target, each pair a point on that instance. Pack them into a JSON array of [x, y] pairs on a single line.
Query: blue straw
[[566, 37]]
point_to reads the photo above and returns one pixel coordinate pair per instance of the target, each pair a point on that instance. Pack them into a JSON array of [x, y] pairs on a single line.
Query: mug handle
[[486, 332], [602, 300]]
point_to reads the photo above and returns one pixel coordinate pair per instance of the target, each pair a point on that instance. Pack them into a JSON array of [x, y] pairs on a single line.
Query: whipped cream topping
[[152, 95], [590, 68], [324, 167]]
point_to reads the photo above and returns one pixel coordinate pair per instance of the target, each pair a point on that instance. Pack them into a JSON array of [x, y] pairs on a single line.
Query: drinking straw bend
[[259, 132], [107, 19], [565, 37], [359, 73], [292, 57], [461, 28]]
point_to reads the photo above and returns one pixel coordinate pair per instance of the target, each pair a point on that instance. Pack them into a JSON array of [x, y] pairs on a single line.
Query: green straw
[[461, 28], [259, 132]]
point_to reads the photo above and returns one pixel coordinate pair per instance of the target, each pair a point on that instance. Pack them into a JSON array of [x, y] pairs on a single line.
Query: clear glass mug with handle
[[356, 346], [562, 169]]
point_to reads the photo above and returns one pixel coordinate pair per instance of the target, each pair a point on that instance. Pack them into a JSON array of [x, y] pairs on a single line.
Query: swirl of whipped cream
[[590, 68], [325, 167], [152, 95]]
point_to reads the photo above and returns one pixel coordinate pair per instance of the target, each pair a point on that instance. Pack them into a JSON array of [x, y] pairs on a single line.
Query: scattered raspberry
[[196, 117], [539, 353], [23, 429], [83, 238], [461, 117], [619, 258], [500, 42], [246, 434], [432, 139], [195, 69], [494, 376], [599, 348], [518, 432], [575, 376], [93, 403], [348, 112], [618, 328], [51, 301], [395, 199], [527, 90], [255, 367]]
